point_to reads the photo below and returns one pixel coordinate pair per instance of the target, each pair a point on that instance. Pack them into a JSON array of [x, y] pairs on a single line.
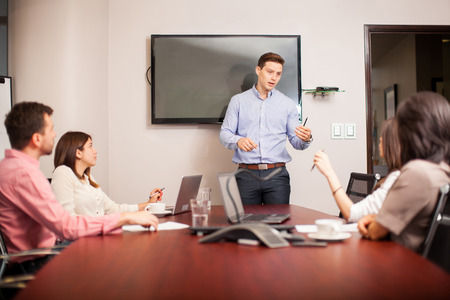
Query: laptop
[[188, 190], [231, 211]]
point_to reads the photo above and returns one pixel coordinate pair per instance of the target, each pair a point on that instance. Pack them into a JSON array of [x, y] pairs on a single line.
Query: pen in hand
[[156, 193], [304, 123], [312, 168]]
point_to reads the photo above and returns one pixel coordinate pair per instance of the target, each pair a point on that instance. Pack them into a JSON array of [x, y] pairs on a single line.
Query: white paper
[[161, 226], [351, 227]]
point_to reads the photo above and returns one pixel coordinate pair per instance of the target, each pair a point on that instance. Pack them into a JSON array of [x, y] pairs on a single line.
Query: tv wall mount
[[322, 90]]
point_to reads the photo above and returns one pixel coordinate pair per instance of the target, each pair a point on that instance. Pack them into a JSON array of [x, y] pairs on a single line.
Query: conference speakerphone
[[198, 230]]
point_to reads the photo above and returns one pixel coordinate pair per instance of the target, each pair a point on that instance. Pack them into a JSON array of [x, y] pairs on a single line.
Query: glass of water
[[205, 194], [199, 210]]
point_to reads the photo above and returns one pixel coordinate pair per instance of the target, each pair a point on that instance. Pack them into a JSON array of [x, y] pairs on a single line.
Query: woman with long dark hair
[[423, 123], [73, 184]]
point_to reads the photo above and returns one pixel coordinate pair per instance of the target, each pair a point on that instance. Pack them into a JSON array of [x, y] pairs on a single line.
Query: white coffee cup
[[157, 207], [329, 226]]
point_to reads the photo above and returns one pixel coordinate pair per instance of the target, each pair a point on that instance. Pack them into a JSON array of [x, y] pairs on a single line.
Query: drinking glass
[[199, 210]]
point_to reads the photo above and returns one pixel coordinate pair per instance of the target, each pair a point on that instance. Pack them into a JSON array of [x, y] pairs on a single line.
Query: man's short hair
[[270, 56], [24, 120]]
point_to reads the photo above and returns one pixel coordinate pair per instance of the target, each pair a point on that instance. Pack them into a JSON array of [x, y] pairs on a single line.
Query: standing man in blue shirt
[[256, 126]]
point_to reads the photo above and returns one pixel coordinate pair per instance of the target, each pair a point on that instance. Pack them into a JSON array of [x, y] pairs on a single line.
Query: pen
[[306, 119], [154, 194], [312, 168]]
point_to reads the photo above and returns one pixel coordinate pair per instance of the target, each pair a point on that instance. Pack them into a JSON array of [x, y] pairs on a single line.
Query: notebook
[[188, 190], [230, 210]]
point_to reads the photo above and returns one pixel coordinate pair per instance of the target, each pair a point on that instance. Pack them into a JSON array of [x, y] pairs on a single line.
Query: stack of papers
[[161, 226]]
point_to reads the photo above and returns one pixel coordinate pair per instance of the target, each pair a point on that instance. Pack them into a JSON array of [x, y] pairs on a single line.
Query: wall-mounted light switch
[[337, 131], [350, 131]]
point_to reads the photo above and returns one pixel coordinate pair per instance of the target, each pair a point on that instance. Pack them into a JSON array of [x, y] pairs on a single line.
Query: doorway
[[401, 60]]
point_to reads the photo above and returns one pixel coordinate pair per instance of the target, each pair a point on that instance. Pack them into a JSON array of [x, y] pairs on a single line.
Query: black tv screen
[[193, 77]]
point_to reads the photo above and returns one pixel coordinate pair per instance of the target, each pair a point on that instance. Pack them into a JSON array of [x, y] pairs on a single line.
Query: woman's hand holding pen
[[323, 164], [156, 195]]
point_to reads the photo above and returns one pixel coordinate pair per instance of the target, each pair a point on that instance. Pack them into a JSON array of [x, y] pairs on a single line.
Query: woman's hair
[[391, 148], [391, 145], [423, 123], [66, 150]]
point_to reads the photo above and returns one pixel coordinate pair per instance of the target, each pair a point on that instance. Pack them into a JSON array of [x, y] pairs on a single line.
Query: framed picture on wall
[[390, 101]]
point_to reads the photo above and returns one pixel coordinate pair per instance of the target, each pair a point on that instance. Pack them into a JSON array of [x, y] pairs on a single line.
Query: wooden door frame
[[388, 29]]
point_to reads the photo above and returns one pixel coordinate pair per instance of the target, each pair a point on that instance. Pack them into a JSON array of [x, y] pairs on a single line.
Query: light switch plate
[[350, 131], [337, 131]]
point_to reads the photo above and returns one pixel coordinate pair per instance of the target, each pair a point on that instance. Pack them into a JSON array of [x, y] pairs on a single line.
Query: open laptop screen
[[234, 191]]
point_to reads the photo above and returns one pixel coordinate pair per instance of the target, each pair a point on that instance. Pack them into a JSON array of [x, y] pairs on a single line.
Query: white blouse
[[78, 197], [372, 203]]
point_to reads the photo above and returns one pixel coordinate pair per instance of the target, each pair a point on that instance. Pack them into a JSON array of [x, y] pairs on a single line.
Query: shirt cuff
[[110, 223]]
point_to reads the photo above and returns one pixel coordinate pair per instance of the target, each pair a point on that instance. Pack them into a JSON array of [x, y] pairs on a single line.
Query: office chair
[[9, 284], [436, 246], [360, 185]]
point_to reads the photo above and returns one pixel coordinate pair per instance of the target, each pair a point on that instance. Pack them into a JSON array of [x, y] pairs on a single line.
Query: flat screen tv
[[193, 77]]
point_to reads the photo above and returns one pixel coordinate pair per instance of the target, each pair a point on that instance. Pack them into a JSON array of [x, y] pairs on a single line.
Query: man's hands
[[246, 144], [303, 133], [143, 218]]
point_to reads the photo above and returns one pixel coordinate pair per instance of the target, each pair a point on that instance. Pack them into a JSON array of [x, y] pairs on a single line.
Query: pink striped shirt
[[30, 215]]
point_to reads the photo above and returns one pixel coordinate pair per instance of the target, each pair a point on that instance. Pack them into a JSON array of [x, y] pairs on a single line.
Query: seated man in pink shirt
[[30, 216]]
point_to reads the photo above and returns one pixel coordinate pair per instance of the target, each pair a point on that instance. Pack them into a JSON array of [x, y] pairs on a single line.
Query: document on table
[[351, 227], [161, 226]]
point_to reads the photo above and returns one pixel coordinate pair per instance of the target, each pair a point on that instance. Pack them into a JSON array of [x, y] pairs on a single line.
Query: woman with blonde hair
[[73, 184]]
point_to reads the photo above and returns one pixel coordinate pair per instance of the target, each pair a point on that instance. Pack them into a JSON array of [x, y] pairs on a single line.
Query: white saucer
[[162, 214], [330, 237]]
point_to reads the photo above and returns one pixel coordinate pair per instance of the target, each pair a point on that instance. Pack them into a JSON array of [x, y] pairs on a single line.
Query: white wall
[[58, 55], [142, 155]]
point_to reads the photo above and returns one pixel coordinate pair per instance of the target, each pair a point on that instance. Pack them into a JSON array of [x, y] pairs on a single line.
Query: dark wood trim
[[435, 29], [370, 29], [368, 63]]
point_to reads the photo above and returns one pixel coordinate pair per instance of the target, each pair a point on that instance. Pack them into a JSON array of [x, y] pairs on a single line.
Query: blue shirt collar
[[257, 94]]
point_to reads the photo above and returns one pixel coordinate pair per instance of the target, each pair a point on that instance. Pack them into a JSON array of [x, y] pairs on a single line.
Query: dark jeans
[[274, 191]]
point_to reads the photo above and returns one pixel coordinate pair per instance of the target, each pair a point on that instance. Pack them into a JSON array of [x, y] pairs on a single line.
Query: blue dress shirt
[[267, 122]]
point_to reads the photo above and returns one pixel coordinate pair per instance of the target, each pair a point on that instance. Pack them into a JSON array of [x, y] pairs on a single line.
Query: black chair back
[[436, 246], [360, 185]]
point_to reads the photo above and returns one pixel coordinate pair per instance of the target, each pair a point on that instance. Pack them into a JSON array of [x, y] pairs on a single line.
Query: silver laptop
[[188, 190], [231, 210]]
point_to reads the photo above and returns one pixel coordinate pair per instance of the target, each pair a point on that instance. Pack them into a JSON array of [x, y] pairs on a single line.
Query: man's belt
[[261, 166]]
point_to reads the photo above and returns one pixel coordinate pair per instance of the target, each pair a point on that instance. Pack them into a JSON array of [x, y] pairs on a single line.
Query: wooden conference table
[[173, 265]]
